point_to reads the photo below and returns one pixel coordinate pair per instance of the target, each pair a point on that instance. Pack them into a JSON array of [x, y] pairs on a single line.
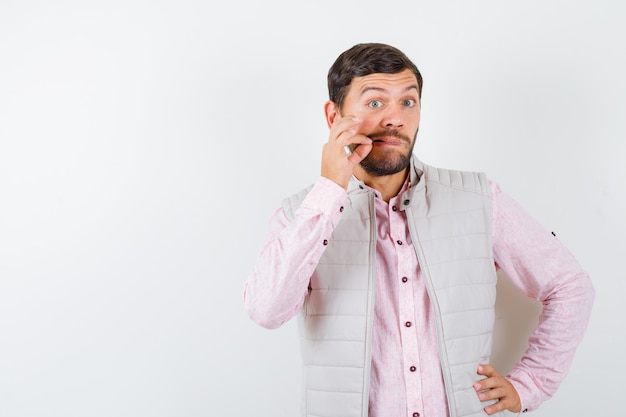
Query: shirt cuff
[[524, 386], [326, 197]]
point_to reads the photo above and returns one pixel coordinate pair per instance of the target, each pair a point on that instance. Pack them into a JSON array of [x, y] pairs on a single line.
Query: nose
[[393, 117]]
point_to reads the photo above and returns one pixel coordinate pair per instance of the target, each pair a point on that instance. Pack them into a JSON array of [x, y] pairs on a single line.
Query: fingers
[[496, 387], [337, 164], [487, 370], [360, 152], [344, 132]]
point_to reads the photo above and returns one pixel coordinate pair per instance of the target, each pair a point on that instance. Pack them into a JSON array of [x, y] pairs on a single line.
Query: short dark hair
[[364, 59]]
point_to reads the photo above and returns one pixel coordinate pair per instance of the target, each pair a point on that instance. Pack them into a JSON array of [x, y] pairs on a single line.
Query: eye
[[409, 102], [375, 104]]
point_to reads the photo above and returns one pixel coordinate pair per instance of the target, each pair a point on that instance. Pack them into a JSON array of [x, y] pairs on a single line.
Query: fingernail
[[356, 119]]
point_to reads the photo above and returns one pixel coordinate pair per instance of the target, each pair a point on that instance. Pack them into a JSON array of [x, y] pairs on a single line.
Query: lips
[[389, 138], [389, 141]]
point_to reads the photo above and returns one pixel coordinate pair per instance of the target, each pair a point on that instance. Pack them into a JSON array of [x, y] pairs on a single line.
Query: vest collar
[[418, 184], [416, 171], [356, 186]]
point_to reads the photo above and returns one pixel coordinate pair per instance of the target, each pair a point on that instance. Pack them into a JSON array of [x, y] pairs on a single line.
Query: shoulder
[[469, 181], [292, 202]]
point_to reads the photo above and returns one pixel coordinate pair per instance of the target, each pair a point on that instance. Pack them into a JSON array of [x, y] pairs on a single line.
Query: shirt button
[[416, 414], [406, 202], [412, 368], [399, 242], [325, 242], [407, 324], [404, 279], [394, 208], [341, 209]]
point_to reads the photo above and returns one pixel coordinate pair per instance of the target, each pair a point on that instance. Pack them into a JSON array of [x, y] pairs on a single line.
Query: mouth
[[387, 140]]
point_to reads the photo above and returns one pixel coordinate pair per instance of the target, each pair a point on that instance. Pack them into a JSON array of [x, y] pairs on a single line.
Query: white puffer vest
[[449, 215]]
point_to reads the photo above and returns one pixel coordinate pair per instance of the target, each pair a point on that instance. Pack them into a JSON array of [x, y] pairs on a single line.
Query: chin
[[389, 165]]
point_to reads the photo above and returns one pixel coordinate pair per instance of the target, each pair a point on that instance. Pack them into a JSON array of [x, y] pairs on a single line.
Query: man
[[391, 264]]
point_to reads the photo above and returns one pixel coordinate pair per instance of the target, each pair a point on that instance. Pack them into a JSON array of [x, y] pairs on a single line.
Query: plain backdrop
[[144, 146]]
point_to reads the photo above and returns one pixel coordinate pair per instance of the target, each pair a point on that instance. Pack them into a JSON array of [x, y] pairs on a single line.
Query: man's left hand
[[496, 387]]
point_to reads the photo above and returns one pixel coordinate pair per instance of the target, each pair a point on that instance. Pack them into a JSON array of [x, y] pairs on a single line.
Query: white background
[[145, 144]]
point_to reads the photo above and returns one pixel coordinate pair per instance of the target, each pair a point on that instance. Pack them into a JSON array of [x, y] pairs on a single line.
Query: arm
[[544, 269], [275, 290]]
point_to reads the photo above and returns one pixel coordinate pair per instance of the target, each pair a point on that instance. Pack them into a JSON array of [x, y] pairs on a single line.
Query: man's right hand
[[337, 164]]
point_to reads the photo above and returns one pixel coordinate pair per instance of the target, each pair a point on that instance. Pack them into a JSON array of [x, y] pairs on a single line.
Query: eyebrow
[[384, 90]]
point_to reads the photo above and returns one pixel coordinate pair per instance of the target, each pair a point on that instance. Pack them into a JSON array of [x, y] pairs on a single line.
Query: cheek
[[415, 123], [369, 123]]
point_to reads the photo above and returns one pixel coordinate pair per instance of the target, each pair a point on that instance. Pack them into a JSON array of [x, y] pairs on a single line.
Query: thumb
[[360, 152]]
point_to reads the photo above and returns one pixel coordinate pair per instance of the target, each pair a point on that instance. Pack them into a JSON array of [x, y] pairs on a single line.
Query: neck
[[387, 185]]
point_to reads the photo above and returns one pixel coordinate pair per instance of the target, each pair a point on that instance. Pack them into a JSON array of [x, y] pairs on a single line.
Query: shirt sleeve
[[544, 269], [277, 286]]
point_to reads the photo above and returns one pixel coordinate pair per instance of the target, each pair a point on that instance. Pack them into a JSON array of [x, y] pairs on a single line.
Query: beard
[[389, 161]]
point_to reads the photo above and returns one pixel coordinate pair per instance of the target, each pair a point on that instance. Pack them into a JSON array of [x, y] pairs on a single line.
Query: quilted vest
[[449, 215]]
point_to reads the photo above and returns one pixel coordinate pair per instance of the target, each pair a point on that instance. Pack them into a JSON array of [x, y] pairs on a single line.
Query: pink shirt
[[406, 376]]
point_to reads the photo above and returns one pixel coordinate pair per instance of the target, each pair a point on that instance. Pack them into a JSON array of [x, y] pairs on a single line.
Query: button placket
[[406, 270]]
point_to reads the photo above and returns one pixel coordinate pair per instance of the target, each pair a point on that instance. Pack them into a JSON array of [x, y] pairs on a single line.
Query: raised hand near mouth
[[337, 163]]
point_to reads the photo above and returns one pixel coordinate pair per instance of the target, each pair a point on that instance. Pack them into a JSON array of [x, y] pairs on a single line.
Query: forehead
[[391, 83]]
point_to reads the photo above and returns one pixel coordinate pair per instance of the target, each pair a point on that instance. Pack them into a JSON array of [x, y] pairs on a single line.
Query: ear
[[332, 112]]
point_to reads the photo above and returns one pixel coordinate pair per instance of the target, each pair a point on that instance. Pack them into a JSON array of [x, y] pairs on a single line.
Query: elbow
[[263, 318], [261, 313], [578, 292], [587, 290]]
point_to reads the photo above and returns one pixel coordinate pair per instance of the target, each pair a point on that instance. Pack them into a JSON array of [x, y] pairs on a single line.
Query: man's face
[[389, 107]]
